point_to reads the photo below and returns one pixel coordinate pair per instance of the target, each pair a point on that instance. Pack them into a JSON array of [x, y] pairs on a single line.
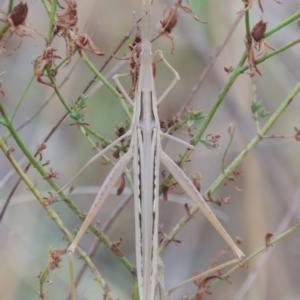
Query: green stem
[[106, 83], [22, 96], [282, 24], [10, 6], [269, 55], [38, 166], [257, 138], [231, 134], [47, 6], [247, 23], [240, 68], [52, 20], [107, 160], [210, 115], [234, 164], [5, 26], [68, 109], [250, 257], [51, 213]]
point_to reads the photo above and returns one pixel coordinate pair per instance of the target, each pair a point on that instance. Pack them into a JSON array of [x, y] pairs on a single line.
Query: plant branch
[[234, 164]]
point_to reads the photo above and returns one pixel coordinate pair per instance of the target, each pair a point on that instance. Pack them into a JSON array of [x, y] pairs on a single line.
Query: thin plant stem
[[22, 96], [52, 213], [125, 38], [234, 164], [52, 20], [254, 254], [38, 166], [5, 26], [106, 83], [204, 74], [96, 243], [8, 122], [240, 68]]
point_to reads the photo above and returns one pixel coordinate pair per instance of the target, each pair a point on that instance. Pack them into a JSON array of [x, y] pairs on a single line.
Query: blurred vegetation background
[[268, 202]]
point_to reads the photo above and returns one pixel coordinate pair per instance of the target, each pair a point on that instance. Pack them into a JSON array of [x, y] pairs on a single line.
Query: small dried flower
[[268, 240], [84, 42], [18, 14], [259, 30], [169, 21], [46, 58], [297, 135], [228, 69]]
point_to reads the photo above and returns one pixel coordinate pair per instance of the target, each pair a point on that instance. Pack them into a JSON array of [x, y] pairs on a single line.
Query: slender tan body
[[145, 149]]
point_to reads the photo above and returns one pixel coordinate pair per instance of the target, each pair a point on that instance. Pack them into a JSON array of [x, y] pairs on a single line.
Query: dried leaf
[[115, 246], [259, 30], [169, 21], [47, 57], [228, 69], [18, 14], [84, 42]]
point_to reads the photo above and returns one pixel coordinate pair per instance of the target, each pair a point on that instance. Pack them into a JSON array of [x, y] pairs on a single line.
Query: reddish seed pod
[[116, 154], [169, 21], [187, 208], [121, 131], [259, 30], [18, 14], [238, 240], [268, 237]]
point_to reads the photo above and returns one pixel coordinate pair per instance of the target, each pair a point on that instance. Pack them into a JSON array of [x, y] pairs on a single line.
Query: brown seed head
[[259, 30], [18, 14], [121, 131], [169, 21]]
